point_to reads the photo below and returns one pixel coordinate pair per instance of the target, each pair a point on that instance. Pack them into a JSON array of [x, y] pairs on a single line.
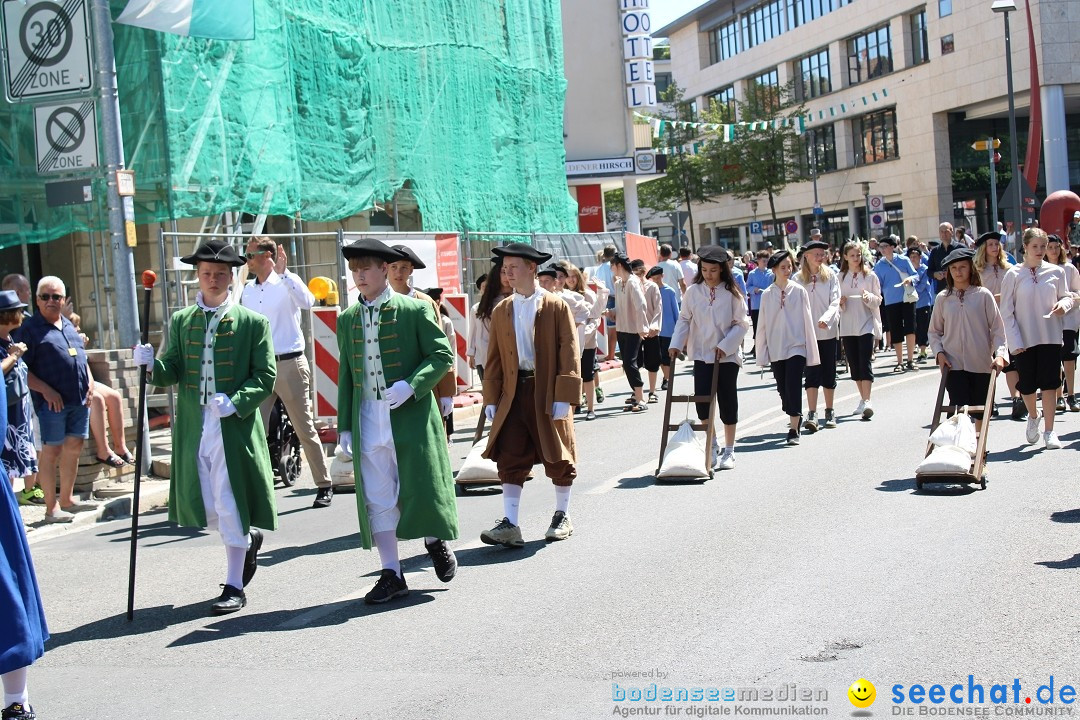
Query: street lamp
[[1005, 7]]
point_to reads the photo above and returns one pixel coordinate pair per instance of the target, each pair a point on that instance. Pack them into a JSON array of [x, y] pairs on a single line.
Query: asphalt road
[[814, 566]]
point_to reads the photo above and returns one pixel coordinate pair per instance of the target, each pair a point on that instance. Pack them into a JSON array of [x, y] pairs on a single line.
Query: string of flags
[[726, 131]]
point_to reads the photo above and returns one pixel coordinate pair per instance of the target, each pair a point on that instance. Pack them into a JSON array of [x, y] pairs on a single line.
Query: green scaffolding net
[[331, 109]]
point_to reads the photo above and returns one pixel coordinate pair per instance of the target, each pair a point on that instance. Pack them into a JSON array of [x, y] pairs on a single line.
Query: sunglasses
[[46, 297], [257, 253]]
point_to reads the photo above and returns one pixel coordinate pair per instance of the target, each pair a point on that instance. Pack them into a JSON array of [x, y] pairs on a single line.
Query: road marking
[[746, 427]]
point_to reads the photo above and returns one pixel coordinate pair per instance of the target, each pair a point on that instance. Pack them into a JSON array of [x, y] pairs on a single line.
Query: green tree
[[763, 160]]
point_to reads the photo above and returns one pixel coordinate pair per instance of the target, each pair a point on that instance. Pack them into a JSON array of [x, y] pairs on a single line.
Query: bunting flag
[[214, 19], [726, 131]]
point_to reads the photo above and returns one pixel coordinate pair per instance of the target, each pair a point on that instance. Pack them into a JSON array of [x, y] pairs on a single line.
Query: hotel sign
[[637, 54]]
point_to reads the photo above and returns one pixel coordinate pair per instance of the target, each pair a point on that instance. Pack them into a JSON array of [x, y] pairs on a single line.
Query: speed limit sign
[[46, 48]]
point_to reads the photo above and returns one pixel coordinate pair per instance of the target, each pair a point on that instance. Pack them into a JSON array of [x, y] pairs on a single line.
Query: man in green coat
[[392, 354], [221, 356]]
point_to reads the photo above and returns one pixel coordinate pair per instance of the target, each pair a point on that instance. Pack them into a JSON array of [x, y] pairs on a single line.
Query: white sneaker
[[60, 516], [860, 407], [868, 411], [727, 460], [1051, 440], [715, 454], [1033, 428]]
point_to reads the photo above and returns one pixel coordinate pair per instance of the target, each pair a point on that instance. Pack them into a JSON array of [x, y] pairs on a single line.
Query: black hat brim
[[521, 250], [367, 247], [407, 253], [956, 256], [215, 251]]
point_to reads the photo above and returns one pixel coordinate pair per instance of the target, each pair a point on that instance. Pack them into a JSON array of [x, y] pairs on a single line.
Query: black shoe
[[18, 711], [231, 600], [250, 559], [663, 385], [323, 497], [792, 436], [442, 557], [1019, 411], [390, 586]]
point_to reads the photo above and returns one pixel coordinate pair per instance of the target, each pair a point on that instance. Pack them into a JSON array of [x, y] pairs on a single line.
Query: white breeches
[[378, 466], [217, 495]]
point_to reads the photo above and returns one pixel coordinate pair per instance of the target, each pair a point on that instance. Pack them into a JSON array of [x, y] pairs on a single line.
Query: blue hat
[[9, 300]]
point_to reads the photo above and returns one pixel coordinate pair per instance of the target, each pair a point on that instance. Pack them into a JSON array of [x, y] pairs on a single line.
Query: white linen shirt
[[525, 309], [280, 298], [1027, 294], [824, 304], [858, 316], [967, 327], [711, 319], [785, 326]]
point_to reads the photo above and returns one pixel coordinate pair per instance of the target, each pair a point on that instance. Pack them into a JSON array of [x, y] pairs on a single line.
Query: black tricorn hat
[[522, 250], [778, 257], [713, 254], [370, 247], [407, 253], [957, 255], [434, 293], [214, 250]]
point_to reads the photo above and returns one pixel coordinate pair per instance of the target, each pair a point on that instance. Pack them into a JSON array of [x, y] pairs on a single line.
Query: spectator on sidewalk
[[62, 388], [21, 286], [107, 403], [19, 455], [280, 295], [673, 274]]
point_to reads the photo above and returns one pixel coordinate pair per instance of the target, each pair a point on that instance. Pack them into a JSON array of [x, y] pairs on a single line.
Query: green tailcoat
[[413, 348], [244, 369]]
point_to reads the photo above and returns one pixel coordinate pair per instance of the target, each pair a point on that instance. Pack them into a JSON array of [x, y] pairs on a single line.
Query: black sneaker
[[231, 600], [443, 559], [1074, 404], [324, 497], [1019, 412], [909, 366], [18, 711], [250, 559], [793, 436], [390, 586], [663, 385]]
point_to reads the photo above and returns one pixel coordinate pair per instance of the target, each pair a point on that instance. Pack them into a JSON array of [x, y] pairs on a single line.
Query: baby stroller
[[284, 446]]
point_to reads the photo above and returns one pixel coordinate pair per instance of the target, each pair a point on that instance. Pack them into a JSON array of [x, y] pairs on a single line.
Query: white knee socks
[[387, 544], [562, 498], [15, 687], [235, 573], [511, 500]]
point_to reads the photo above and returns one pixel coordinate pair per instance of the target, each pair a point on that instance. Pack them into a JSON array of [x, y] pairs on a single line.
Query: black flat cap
[[992, 235], [654, 271], [637, 263], [713, 254], [778, 257], [888, 240], [914, 251], [521, 250], [480, 280], [549, 271], [370, 247], [957, 255], [815, 245], [408, 254], [215, 250]]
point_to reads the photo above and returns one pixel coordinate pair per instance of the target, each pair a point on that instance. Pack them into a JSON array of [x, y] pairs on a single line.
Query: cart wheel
[[918, 484], [459, 490], [290, 463], [982, 482]]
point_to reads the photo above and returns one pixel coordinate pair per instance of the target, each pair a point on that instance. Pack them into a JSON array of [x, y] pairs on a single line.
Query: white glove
[[143, 355], [446, 406], [489, 412], [559, 410], [222, 406], [344, 445], [398, 393]]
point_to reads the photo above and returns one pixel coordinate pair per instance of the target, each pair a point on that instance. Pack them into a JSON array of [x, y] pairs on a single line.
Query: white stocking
[[387, 544], [562, 497], [511, 500], [235, 573], [15, 687]]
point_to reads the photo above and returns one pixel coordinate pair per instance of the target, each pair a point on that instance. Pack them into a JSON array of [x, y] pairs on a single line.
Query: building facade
[[896, 92]]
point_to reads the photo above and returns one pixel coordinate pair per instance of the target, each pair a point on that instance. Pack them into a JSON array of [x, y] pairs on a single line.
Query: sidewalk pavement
[[116, 500]]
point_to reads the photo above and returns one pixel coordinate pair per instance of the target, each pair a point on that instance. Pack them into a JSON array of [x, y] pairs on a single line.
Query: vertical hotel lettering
[[637, 53]]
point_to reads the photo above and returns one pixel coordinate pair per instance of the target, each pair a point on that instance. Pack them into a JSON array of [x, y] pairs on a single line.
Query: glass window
[[947, 44], [761, 23], [768, 79], [663, 82], [920, 46], [724, 42], [820, 151], [812, 75], [724, 99], [944, 8], [869, 55], [800, 12], [875, 137]]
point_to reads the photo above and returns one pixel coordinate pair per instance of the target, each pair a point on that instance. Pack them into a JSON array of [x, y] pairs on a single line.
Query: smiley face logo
[[862, 693]]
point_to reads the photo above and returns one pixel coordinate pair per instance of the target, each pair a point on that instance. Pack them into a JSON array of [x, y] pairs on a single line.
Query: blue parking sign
[[755, 228]]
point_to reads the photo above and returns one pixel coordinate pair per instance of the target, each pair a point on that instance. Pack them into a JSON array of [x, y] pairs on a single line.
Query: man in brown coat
[[531, 378]]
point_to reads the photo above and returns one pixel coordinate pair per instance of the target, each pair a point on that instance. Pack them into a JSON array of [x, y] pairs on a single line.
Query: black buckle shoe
[[389, 586], [323, 497], [18, 711], [250, 559], [443, 559], [231, 600]]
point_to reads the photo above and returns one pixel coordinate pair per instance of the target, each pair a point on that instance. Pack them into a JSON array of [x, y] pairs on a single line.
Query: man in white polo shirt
[[280, 295]]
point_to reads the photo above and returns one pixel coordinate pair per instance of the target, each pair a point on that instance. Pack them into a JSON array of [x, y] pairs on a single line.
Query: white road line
[[747, 427]]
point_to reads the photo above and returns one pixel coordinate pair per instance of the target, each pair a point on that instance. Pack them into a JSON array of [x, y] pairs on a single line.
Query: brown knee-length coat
[[558, 373]]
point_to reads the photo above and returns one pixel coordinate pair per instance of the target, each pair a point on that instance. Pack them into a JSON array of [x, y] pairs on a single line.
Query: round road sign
[[65, 129], [792, 227], [45, 34]]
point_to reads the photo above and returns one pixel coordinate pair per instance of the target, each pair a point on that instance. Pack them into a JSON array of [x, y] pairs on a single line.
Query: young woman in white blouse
[[711, 327], [597, 303], [860, 324], [788, 342], [492, 291], [631, 327], [991, 263], [1034, 299], [966, 333], [1055, 255], [823, 287]]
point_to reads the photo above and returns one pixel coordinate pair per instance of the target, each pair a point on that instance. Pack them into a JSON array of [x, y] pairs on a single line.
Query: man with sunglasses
[[61, 386], [280, 295]]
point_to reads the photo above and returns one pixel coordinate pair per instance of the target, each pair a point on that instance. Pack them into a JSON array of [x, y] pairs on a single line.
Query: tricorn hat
[[407, 253], [217, 251], [522, 250], [370, 247]]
